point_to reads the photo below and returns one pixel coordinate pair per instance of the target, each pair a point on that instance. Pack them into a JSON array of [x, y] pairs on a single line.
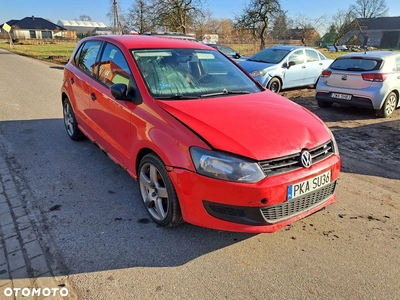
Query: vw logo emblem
[[305, 159], [344, 77]]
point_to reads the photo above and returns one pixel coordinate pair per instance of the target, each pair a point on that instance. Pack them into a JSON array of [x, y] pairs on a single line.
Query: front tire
[[388, 106], [274, 85], [70, 123], [158, 193]]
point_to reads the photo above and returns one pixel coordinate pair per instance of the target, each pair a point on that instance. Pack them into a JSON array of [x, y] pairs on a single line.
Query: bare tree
[[85, 18], [256, 17], [203, 23], [140, 16], [177, 15], [307, 28], [280, 26], [370, 8], [343, 21]]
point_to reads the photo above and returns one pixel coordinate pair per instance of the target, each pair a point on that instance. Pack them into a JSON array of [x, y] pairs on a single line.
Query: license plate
[[341, 96], [309, 185]]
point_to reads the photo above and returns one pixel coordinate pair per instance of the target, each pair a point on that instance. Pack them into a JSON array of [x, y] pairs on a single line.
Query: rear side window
[[312, 56], [397, 65], [87, 56], [356, 64], [113, 67]]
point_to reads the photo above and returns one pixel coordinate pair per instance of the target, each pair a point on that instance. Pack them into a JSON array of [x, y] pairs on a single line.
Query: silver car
[[369, 80], [285, 66]]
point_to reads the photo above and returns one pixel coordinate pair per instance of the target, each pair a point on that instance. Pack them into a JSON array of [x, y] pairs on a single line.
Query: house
[[382, 32], [35, 28]]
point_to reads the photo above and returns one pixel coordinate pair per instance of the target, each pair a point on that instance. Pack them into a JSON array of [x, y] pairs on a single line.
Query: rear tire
[[158, 193], [70, 123], [324, 104], [388, 106], [274, 85]]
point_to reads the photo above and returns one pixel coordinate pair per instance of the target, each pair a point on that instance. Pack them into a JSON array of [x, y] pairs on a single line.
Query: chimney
[[33, 18]]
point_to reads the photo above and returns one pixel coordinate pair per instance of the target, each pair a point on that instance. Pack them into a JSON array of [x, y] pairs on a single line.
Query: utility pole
[[116, 21]]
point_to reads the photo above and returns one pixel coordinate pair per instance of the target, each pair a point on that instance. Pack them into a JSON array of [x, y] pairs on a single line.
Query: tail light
[[376, 77], [326, 73]]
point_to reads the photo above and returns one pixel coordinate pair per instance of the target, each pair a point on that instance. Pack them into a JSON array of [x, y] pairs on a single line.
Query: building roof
[[81, 26], [75, 23], [34, 23], [381, 23]]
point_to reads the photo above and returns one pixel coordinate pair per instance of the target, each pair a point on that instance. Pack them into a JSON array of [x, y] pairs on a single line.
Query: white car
[[368, 80]]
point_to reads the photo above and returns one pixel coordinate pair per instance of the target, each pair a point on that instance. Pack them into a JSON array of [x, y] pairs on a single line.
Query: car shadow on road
[[92, 209]]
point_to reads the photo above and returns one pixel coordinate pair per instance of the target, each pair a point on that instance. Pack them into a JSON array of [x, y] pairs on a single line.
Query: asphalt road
[[99, 234]]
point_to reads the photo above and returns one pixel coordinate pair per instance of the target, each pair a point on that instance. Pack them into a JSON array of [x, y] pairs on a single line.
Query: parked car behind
[[282, 67], [207, 144], [369, 80], [228, 51]]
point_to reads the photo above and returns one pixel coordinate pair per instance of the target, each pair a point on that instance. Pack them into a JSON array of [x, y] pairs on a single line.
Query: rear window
[[356, 64]]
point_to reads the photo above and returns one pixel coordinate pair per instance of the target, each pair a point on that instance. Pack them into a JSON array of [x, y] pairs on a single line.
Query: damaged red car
[[207, 144]]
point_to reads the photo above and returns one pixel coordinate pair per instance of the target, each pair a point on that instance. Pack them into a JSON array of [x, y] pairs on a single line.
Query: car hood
[[259, 126], [251, 66]]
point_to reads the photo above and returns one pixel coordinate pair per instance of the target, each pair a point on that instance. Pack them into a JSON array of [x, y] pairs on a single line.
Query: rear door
[[314, 67], [82, 77]]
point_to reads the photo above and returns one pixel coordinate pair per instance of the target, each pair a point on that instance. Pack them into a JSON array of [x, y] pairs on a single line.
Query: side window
[[297, 57], [87, 56], [311, 56], [113, 67], [397, 67]]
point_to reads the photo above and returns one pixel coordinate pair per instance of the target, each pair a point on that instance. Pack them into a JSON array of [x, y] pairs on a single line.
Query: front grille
[[285, 210], [290, 163]]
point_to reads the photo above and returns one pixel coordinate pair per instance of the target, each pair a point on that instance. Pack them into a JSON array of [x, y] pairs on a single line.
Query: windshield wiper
[[177, 97], [225, 92], [259, 60]]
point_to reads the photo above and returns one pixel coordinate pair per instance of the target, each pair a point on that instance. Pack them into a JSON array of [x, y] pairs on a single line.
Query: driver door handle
[[93, 96]]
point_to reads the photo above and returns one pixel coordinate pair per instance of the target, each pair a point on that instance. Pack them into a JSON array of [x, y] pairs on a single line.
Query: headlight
[[225, 167], [258, 73], [334, 144]]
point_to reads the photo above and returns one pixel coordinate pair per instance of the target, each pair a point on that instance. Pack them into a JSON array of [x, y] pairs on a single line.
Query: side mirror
[[123, 92], [237, 55], [291, 63]]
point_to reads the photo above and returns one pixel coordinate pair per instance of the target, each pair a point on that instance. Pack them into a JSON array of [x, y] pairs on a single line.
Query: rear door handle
[[93, 96], [71, 80]]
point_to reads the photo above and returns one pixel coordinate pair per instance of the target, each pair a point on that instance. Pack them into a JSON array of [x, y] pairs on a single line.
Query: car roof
[[289, 47], [147, 42], [370, 54]]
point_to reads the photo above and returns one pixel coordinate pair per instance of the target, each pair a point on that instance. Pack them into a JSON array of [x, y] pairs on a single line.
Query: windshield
[[270, 55], [190, 74]]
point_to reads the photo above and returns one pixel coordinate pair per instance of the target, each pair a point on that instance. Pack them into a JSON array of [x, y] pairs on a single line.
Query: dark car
[[228, 51]]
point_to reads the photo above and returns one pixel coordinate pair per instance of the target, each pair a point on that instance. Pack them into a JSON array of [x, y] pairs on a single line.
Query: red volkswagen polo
[[207, 144]]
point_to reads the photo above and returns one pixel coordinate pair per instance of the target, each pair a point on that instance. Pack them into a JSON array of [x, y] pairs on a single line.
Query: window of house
[[46, 34], [32, 34]]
